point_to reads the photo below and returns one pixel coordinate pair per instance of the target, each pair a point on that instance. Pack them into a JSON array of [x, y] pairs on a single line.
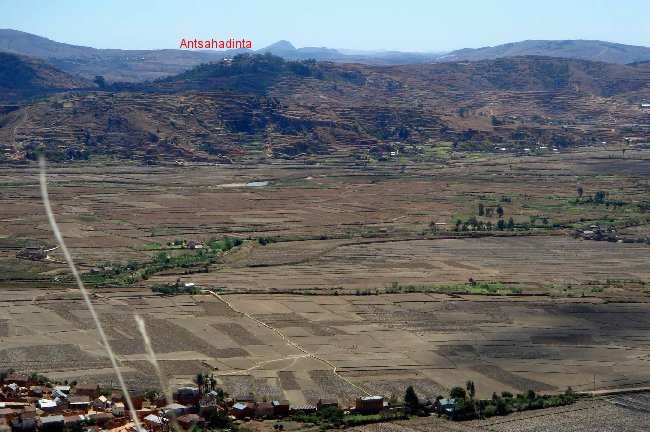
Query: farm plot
[[532, 262], [379, 343]]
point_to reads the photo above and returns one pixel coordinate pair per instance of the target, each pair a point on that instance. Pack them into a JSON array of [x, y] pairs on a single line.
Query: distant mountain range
[[593, 50], [287, 51], [141, 65]]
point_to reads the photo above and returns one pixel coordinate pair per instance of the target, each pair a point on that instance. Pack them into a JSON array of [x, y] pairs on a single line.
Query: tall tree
[[411, 400], [471, 389], [200, 381]]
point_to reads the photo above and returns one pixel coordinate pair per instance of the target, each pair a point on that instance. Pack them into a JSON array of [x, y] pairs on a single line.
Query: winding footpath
[[289, 342]]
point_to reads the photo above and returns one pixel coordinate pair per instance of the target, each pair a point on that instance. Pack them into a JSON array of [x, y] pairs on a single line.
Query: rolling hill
[[113, 64], [576, 49], [262, 106], [22, 77]]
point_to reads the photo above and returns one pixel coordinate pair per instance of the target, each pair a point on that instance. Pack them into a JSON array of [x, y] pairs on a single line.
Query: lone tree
[[100, 81], [457, 393], [481, 209], [200, 381], [580, 191], [471, 389], [411, 400]]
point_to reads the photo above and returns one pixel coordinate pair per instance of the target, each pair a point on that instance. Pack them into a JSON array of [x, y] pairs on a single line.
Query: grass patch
[[482, 288], [88, 218]]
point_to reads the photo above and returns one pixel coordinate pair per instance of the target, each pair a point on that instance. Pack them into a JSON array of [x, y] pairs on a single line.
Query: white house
[[118, 409]]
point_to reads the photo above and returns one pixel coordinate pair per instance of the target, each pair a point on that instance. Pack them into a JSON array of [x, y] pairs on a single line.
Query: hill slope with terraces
[[264, 106]]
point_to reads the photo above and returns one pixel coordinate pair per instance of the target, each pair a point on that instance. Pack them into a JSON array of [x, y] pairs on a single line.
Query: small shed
[[118, 409], [47, 405], [280, 408], [101, 403], [241, 410], [263, 410], [369, 404], [79, 402]]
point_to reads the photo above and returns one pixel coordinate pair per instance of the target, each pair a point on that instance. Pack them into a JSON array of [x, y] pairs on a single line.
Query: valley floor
[[349, 281]]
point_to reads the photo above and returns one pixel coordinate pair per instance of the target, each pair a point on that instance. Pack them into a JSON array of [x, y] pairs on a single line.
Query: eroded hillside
[[264, 106]]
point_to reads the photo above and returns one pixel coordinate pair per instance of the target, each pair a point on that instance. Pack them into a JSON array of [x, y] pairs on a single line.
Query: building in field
[[369, 404], [242, 410], [280, 408]]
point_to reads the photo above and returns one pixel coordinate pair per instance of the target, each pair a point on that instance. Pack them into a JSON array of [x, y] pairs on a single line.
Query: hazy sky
[[406, 25]]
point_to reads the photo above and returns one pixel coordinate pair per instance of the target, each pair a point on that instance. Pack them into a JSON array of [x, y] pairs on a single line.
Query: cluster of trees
[[599, 197], [467, 406], [175, 288], [474, 224], [489, 211], [207, 383], [134, 271]]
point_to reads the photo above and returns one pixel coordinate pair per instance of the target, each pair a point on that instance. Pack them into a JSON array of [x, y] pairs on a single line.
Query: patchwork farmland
[[342, 282]]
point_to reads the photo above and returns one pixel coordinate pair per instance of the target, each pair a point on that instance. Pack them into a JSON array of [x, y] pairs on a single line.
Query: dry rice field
[[379, 343], [340, 230]]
